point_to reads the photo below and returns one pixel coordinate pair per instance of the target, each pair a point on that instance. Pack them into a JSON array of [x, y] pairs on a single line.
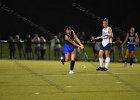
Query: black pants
[[20, 52], [57, 53], [37, 52], [12, 53], [42, 51]]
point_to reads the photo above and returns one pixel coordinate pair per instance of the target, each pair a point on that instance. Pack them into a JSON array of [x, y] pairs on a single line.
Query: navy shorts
[[107, 47], [68, 48], [131, 47]]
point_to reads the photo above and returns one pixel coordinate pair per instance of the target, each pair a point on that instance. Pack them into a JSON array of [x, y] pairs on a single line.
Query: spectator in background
[[42, 46], [118, 43], [36, 40], [137, 45], [61, 38], [112, 55], [19, 45], [95, 47], [83, 37], [11, 47], [57, 48], [28, 47]]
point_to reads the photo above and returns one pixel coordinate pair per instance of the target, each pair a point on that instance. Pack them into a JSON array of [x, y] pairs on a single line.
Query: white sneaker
[[131, 66], [125, 64], [71, 72]]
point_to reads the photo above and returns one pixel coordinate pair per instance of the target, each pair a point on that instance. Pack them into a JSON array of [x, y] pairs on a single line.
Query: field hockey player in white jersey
[[105, 46]]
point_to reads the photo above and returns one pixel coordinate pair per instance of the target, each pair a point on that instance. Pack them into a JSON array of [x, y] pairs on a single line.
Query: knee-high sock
[[72, 65], [131, 61], [107, 62], [101, 62]]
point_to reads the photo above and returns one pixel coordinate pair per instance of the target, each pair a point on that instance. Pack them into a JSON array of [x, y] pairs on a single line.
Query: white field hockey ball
[[84, 67]]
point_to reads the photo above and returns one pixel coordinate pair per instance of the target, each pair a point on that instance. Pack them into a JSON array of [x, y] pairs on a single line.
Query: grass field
[[49, 80]]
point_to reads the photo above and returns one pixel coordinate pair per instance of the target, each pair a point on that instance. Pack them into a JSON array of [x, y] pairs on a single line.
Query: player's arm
[[77, 39], [125, 39], [99, 37], [103, 37], [72, 42], [110, 33], [137, 39]]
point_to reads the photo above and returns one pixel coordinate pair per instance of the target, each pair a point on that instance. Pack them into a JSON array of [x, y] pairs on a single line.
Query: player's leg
[[107, 61], [131, 58], [67, 53], [101, 52], [72, 63], [120, 54], [67, 57], [126, 57]]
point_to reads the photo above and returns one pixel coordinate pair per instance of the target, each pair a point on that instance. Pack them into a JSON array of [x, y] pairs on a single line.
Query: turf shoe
[[131, 66], [62, 60], [71, 72], [99, 68], [104, 69]]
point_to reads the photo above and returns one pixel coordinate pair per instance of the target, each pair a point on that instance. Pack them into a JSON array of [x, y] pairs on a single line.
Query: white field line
[[77, 74], [118, 82], [93, 74], [68, 86]]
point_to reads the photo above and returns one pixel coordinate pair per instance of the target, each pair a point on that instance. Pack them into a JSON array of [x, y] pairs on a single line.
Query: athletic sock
[[131, 61], [101, 62], [72, 65], [126, 60], [64, 59], [107, 62]]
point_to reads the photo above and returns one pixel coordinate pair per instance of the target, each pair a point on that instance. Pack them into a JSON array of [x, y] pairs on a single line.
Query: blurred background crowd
[[38, 47]]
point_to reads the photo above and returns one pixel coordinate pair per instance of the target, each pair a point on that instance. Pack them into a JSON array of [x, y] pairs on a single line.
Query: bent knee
[[100, 55], [66, 59]]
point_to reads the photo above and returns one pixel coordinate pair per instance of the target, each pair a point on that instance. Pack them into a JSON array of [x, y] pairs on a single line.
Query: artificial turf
[[49, 80]]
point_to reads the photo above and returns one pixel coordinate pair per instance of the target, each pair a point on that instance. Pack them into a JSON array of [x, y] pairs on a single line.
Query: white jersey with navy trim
[[106, 39]]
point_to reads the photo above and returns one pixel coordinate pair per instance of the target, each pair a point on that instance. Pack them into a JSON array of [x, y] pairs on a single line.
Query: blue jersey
[[131, 39], [69, 47], [131, 42]]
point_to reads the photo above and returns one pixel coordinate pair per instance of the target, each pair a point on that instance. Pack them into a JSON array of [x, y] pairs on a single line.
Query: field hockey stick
[[85, 54]]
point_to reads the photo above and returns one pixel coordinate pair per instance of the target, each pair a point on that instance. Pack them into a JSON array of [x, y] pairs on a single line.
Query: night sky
[[53, 15]]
